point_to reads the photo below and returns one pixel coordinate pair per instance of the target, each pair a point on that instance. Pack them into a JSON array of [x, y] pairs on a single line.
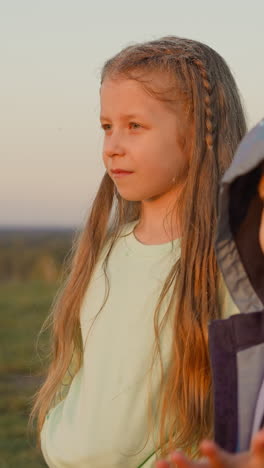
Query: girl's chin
[[129, 195], [132, 198], [126, 194], [138, 197]]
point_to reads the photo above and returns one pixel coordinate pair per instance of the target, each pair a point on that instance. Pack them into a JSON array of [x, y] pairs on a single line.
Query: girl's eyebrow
[[126, 116]]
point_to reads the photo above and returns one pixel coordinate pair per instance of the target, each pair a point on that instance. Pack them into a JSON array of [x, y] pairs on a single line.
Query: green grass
[[23, 308]]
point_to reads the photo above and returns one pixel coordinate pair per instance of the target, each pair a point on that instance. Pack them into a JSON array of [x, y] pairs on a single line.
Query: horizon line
[[38, 227]]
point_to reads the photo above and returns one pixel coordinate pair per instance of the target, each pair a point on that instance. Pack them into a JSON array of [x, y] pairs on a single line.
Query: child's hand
[[217, 458]]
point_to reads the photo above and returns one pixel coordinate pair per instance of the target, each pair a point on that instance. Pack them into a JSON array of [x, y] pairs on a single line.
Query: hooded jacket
[[237, 344]]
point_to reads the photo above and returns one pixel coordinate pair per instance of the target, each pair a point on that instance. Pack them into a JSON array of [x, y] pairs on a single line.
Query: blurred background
[[51, 53]]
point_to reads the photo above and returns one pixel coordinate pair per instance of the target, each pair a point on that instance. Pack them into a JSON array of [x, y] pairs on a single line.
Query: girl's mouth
[[116, 173]]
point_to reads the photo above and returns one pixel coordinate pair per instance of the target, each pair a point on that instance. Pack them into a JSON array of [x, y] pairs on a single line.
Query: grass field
[[23, 308]]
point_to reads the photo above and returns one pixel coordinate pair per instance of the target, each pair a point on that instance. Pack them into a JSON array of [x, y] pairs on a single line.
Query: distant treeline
[[33, 254]]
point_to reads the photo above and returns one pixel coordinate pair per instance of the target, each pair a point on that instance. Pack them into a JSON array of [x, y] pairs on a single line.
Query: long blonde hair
[[213, 124]]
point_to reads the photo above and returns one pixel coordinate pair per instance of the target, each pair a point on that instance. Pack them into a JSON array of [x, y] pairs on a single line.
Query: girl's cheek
[[261, 231]]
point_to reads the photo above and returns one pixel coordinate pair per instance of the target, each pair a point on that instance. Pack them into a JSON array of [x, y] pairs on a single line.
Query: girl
[[130, 326], [239, 341]]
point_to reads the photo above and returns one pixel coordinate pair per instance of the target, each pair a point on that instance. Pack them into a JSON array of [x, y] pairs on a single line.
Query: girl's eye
[[134, 125], [106, 126]]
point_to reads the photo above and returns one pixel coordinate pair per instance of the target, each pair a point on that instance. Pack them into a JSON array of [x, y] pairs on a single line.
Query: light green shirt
[[103, 421]]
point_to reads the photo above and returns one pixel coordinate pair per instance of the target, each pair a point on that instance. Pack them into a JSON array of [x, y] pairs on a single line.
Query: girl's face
[[261, 229], [141, 152]]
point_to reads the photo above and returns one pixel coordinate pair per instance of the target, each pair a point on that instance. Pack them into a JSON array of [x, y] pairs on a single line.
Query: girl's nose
[[113, 146]]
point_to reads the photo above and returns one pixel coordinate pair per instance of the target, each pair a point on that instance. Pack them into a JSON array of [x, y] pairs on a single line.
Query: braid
[[209, 137]]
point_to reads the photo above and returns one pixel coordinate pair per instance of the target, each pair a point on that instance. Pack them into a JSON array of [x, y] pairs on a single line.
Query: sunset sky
[[51, 53]]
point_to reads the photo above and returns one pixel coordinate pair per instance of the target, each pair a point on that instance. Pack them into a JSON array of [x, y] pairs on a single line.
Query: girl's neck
[[158, 221]]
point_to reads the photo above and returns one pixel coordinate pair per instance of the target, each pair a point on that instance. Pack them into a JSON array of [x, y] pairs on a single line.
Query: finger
[[181, 461], [218, 458], [162, 464]]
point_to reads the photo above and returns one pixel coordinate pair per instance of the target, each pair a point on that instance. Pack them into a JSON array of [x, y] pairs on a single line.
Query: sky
[[51, 54]]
